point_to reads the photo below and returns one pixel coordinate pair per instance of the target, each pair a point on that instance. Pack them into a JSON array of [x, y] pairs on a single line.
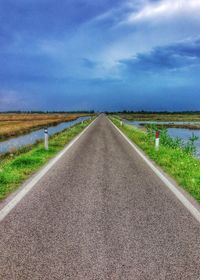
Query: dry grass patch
[[16, 124]]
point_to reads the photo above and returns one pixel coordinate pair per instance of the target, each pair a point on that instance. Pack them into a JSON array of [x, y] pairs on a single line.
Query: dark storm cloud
[[171, 57]]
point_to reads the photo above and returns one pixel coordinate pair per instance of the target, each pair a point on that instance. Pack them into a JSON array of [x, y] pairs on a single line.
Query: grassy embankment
[[17, 124], [15, 168], [175, 161], [165, 118]]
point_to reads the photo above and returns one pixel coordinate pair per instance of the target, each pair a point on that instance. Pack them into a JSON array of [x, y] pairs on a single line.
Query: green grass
[[182, 166], [17, 167]]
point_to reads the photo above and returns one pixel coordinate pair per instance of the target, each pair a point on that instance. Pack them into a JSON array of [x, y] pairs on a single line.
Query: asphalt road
[[100, 213]]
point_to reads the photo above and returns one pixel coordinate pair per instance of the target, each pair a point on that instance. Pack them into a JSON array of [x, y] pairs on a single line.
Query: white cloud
[[152, 24], [165, 8]]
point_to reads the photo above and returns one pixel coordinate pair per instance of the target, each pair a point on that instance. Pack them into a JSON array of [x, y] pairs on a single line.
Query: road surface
[[100, 213]]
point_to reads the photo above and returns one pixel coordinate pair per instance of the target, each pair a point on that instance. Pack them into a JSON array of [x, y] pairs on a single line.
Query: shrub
[[168, 141]]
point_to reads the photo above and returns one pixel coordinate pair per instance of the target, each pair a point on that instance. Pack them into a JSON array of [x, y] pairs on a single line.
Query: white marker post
[[157, 141], [121, 123], [46, 139]]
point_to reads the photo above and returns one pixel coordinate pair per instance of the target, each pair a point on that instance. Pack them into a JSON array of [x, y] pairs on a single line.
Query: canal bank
[[16, 168], [19, 142], [182, 133]]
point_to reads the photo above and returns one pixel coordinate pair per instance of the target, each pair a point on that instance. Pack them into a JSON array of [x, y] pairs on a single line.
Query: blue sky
[[102, 55]]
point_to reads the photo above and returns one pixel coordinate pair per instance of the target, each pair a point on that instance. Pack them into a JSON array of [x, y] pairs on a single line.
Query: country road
[[100, 213]]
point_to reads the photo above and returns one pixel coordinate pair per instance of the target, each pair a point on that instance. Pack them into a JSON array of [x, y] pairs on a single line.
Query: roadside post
[[157, 141], [46, 139], [121, 123]]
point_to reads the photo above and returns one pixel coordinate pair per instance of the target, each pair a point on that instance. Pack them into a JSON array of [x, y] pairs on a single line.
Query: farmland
[[17, 124], [182, 117]]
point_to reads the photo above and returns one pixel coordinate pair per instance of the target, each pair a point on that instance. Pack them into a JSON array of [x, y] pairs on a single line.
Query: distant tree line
[[106, 112], [153, 112]]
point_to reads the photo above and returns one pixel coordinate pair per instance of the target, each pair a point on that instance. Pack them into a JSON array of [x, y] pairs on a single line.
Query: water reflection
[[183, 133]]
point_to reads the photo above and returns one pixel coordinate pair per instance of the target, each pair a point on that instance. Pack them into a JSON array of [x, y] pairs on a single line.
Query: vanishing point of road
[[100, 213]]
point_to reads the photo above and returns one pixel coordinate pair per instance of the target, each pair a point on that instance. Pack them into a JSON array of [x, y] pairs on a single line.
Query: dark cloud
[[171, 57], [48, 17]]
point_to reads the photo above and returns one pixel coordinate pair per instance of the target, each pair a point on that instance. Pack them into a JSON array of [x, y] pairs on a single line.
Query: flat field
[[161, 117], [16, 124]]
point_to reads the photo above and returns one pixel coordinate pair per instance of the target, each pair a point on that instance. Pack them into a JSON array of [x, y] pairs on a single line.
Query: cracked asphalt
[[100, 213]]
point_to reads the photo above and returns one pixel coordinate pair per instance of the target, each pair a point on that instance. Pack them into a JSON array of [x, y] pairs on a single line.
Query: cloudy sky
[[102, 54]]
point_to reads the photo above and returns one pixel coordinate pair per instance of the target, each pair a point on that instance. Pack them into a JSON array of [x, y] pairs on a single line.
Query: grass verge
[[183, 167], [16, 168]]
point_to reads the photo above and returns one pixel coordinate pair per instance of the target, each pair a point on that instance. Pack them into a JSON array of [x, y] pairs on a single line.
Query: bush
[[168, 141]]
